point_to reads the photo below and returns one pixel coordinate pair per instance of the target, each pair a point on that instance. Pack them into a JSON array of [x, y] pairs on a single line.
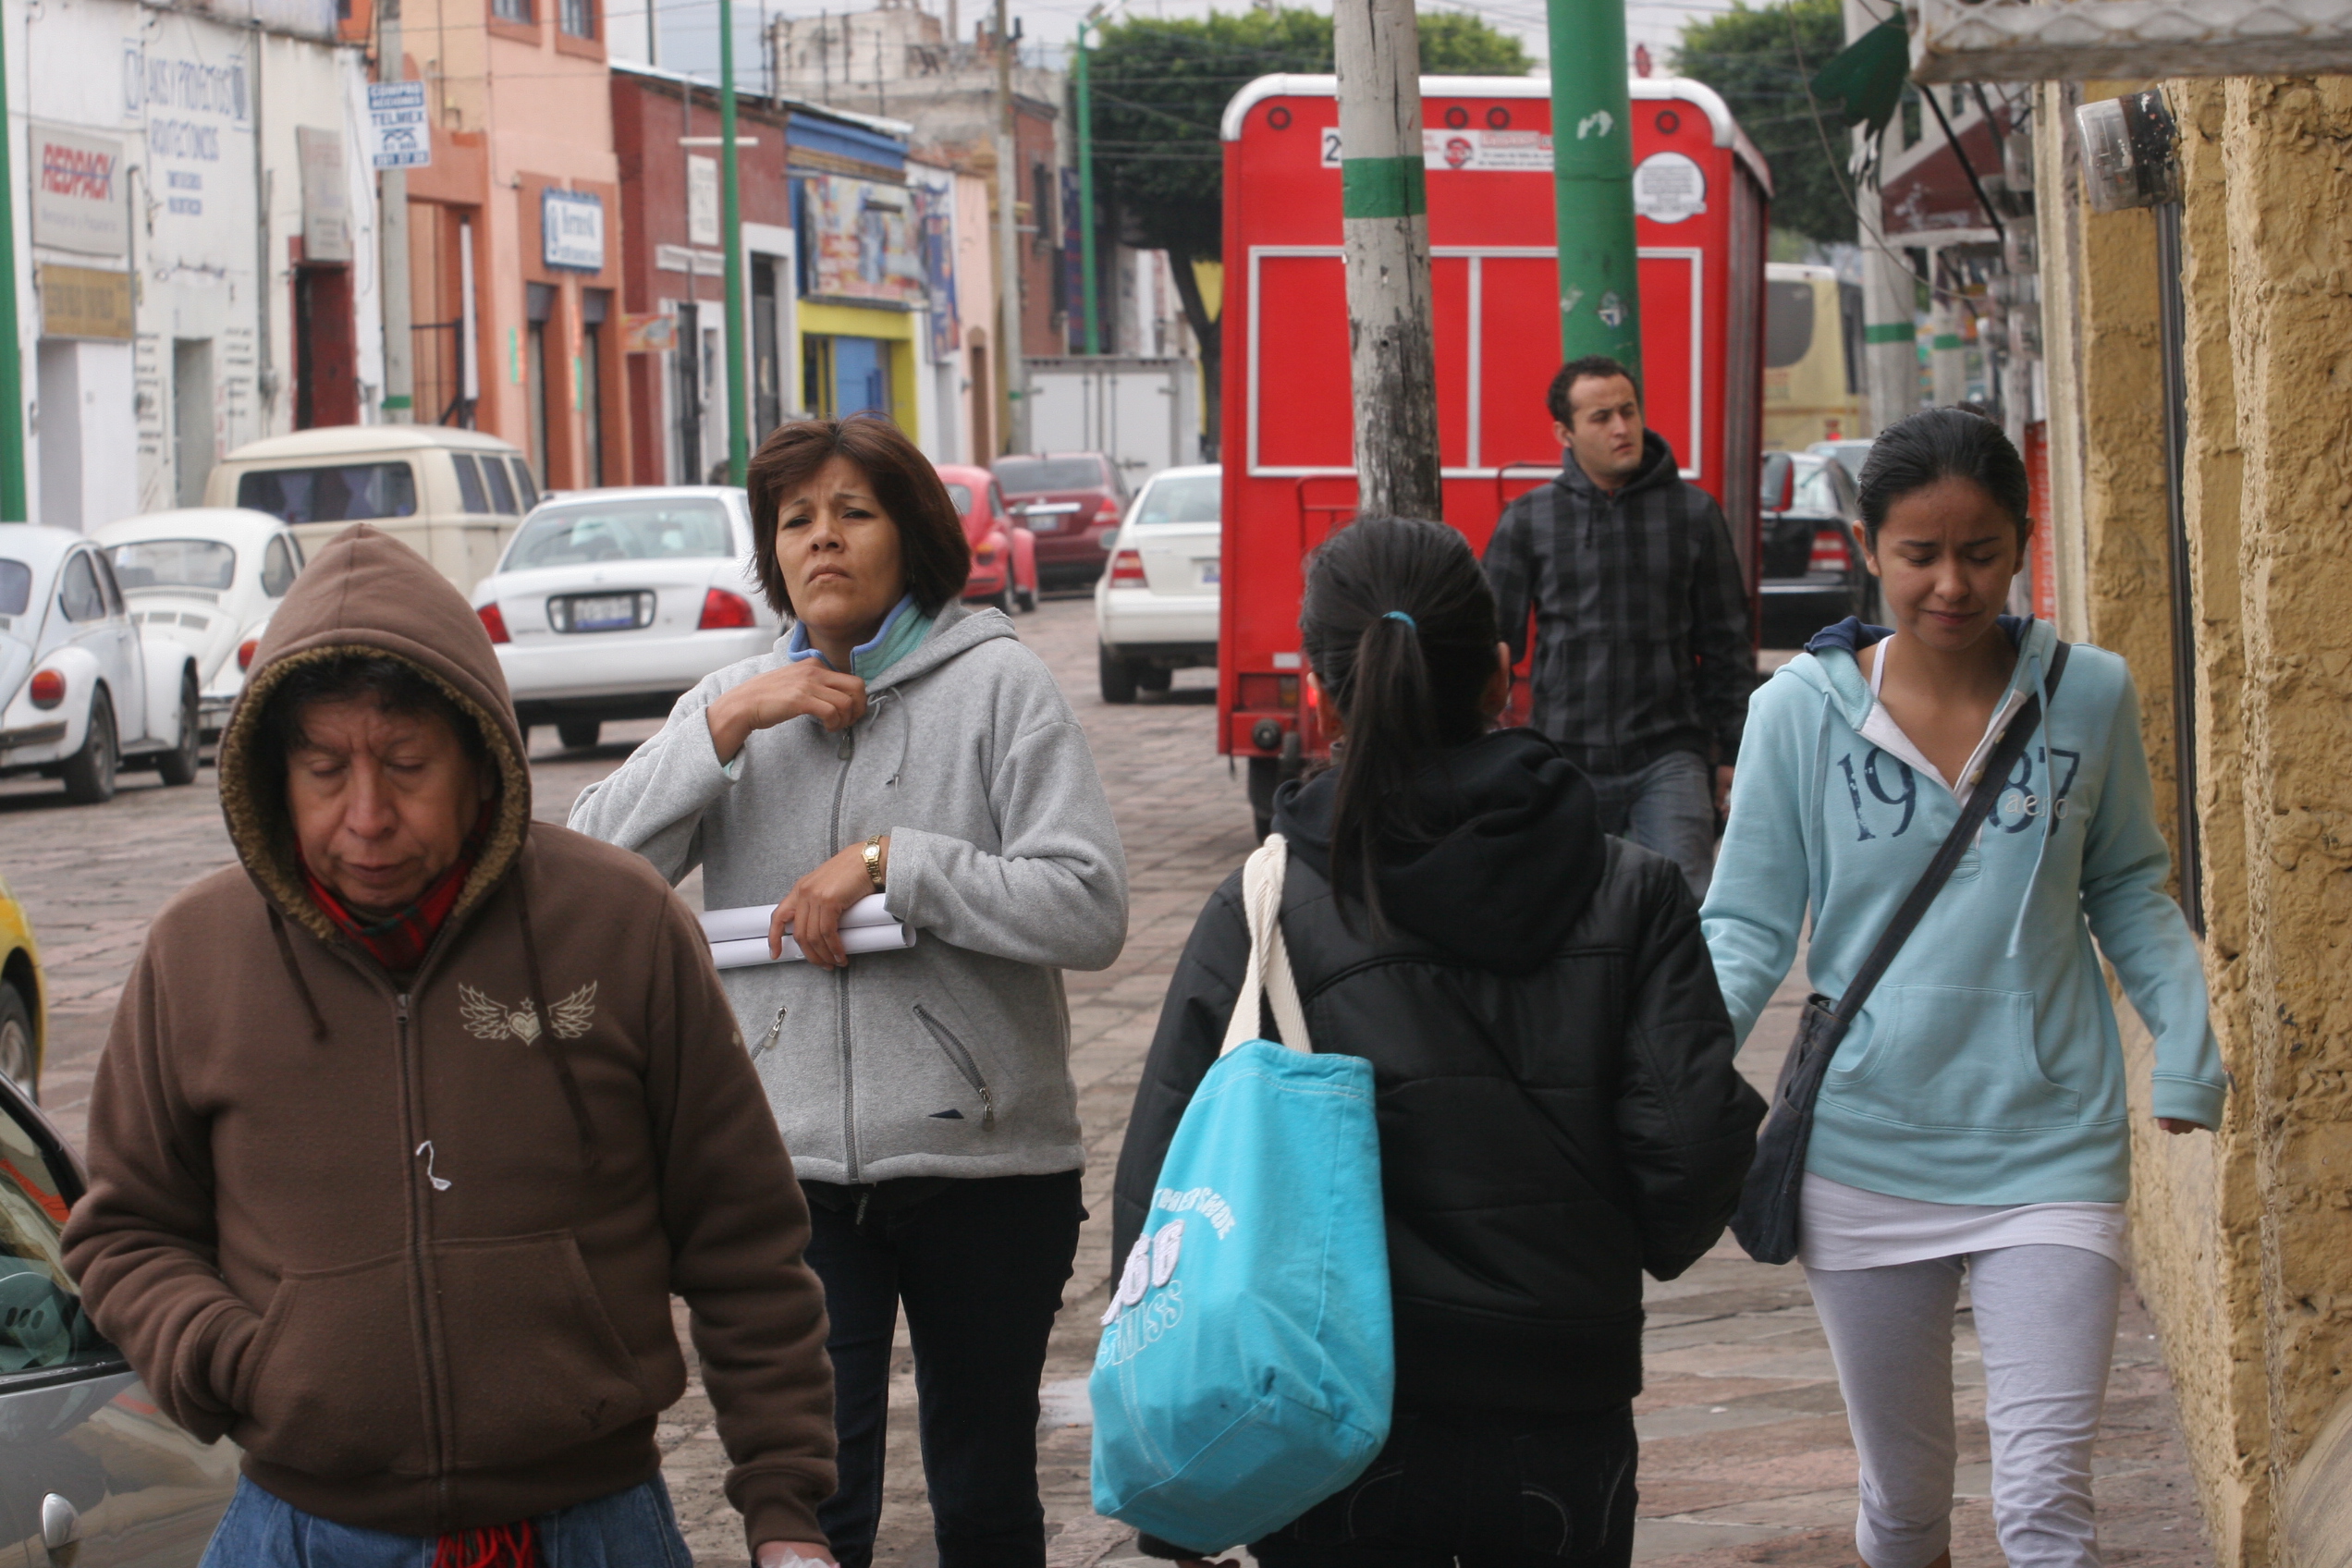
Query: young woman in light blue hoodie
[[1974, 1120]]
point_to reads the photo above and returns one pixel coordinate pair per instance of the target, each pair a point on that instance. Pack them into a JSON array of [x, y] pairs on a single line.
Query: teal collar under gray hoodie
[[1986, 1068]]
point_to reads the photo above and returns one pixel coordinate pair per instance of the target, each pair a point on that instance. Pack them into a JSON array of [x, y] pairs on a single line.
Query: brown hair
[[933, 552]]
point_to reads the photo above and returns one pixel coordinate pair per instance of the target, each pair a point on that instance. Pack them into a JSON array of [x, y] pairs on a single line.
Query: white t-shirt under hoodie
[[1843, 1227]]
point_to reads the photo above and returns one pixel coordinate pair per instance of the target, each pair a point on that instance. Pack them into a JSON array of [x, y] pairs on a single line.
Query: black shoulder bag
[[1764, 1223]]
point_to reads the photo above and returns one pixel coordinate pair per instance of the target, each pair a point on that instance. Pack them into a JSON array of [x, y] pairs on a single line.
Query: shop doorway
[[767, 370], [846, 376], [539, 307], [193, 446], [326, 381], [596, 305], [687, 372]]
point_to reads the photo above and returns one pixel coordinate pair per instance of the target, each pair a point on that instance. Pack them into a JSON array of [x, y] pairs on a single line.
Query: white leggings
[[2046, 1320]]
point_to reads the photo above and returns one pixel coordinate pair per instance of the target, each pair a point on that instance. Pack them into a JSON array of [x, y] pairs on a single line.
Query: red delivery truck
[[1700, 196]]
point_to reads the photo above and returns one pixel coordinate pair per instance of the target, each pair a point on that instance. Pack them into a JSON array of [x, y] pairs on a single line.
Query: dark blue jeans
[[980, 1265], [1489, 1491], [1669, 807], [629, 1529]]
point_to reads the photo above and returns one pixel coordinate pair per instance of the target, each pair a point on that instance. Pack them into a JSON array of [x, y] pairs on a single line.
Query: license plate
[[1208, 574], [1039, 523], [600, 612]]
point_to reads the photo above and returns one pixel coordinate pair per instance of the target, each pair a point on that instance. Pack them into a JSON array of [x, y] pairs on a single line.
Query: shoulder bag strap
[[1981, 796], [1269, 962]]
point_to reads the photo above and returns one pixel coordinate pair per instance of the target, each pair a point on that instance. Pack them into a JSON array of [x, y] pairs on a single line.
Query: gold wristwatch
[[873, 861]]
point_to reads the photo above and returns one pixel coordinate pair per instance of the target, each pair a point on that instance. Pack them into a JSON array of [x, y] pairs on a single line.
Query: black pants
[[1491, 1491], [980, 1265]]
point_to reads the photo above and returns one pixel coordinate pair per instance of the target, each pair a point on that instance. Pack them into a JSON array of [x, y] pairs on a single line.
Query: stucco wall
[[2243, 1241], [2195, 1204], [2286, 152]]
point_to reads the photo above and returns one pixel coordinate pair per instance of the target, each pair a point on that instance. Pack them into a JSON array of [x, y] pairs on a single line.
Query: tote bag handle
[[1269, 961]]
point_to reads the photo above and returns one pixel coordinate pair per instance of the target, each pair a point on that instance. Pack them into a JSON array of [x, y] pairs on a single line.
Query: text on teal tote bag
[[1247, 1365]]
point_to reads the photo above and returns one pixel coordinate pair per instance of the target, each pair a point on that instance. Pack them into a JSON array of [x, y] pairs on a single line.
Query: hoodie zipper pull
[[769, 1039], [847, 748]]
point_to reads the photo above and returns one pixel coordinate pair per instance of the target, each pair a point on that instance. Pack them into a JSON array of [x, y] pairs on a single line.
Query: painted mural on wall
[[865, 242]]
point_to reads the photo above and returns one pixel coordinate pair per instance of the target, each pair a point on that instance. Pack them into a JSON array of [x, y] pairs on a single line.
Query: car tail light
[[1830, 552], [1127, 570], [245, 654], [48, 688], [1269, 692], [494, 623], [723, 611], [983, 557], [1109, 512]]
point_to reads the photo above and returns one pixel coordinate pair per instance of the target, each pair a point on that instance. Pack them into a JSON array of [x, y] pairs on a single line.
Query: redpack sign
[[78, 192]]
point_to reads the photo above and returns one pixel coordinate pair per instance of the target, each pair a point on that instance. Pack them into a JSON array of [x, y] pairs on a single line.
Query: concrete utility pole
[[1392, 359], [1592, 178], [12, 404], [392, 233], [1009, 362], [1890, 349]]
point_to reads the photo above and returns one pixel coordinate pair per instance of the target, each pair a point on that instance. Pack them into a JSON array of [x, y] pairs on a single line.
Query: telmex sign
[[77, 192]]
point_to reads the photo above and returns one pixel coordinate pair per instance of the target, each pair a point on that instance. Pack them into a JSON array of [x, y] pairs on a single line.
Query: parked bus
[[1700, 193], [1812, 357]]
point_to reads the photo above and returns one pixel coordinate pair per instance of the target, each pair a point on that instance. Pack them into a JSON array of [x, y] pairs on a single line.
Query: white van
[[455, 496]]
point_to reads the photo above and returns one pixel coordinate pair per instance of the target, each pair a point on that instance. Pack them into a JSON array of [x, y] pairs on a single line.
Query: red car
[[1004, 554], [1072, 501]]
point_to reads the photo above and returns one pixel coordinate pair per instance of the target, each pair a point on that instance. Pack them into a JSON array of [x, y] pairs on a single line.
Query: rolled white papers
[[738, 937]]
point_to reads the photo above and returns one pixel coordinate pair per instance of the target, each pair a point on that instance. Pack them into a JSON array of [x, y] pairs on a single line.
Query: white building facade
[[196, 258]]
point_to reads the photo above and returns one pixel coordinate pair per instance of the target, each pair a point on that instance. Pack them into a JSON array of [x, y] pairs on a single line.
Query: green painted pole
[[730, 234], [1086, 192], [1592, 140], [12, 403]]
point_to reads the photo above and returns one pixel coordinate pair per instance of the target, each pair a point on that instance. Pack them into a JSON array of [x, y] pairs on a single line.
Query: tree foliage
[[1160, 86], [1760, 60]]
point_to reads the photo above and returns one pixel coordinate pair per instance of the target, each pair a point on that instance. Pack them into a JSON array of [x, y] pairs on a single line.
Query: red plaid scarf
[[397, 940]]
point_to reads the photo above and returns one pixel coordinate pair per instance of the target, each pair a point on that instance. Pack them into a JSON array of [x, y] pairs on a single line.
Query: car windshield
[[1194, 498], [174, 563], [961, 496], [339, 493], [16, 587], [622, 531], [1817, 492], [1035, 476]]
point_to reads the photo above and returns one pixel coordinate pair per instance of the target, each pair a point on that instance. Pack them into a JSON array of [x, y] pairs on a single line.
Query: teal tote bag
[[1247, 1365]]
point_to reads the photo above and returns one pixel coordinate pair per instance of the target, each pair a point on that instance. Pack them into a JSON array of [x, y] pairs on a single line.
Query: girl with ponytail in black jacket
[[1557, 1106]]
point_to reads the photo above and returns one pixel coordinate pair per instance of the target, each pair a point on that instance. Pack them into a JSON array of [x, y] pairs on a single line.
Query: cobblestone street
[[1746, 1454]]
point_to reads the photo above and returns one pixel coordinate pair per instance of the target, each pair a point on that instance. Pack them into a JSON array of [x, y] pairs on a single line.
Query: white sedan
[[84, 691], [208, 577], [1156, 604], [612, 603]]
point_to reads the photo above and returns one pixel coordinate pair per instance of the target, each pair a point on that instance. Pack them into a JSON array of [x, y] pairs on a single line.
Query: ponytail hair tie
[[1400, 614]]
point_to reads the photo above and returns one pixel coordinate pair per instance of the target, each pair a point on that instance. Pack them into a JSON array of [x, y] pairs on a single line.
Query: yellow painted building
[[2237, 621]]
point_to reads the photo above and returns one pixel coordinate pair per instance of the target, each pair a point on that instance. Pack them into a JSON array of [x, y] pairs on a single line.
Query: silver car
[[91, 1473]]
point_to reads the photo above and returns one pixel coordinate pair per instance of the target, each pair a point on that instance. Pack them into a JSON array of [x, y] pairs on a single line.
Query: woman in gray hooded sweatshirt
[[895, 742]]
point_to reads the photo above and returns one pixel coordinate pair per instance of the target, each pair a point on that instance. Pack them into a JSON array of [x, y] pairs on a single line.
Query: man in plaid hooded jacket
[[1643, 664]]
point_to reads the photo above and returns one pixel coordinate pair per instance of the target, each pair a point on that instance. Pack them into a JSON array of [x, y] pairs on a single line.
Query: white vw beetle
[[208, 578], [84, 691]]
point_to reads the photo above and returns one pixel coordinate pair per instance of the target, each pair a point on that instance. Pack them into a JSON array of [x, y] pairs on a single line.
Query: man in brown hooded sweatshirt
[[409, 1126]]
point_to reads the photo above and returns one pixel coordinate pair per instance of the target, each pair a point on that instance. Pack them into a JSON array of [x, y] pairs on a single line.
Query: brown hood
[[368, 593]]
